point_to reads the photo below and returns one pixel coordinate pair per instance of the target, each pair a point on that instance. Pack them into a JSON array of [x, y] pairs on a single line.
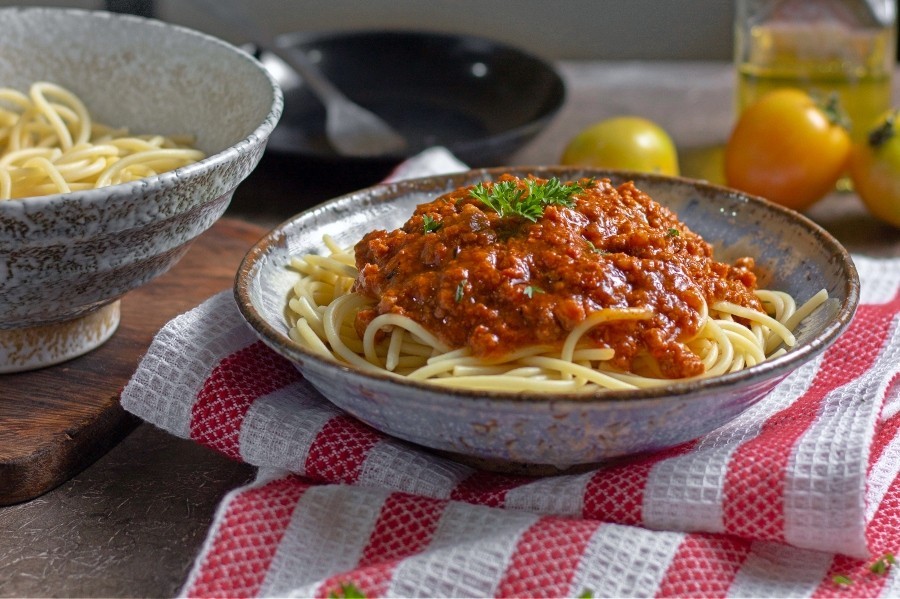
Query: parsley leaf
[[841, 580], [553, 192], [507, 199], [430, 225], [348, 591], [532, 289], [594, 248], [673, 232], [461, 290], [883, 564], [502, 197]]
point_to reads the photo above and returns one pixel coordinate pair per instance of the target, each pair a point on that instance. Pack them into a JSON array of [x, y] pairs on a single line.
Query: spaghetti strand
[[50, 144]]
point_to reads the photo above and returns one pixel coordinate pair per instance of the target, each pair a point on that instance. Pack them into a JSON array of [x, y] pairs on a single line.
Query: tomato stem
[[884, 131]]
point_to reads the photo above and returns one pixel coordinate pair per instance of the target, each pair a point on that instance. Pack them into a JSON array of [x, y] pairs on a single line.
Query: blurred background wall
[[553, 29], [557, 29]]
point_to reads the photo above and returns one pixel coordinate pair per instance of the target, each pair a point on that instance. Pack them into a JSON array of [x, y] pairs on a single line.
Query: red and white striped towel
[[799, 496]]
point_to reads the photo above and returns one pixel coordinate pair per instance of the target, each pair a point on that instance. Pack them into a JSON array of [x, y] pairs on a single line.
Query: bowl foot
[[35, 347], [516, 468]]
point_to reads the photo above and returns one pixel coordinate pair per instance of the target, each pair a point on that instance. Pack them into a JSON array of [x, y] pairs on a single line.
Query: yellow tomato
[[626, 142], [875, 170], [787, 148]]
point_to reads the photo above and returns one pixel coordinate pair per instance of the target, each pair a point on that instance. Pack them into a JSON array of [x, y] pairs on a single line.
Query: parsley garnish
[[553, 192], [504, 197], [594, 248], [348, 591], [507, 199], [673, 232], [430, 225], [883, 564], [880, 568], [461, 290], [532, 289]]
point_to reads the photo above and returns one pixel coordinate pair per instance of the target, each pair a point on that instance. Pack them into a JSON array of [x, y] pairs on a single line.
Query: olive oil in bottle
[[844, 47]]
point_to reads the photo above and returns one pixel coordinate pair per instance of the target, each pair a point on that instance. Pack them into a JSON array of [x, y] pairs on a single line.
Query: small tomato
[[787, 148], [875, 170], [626, 142]]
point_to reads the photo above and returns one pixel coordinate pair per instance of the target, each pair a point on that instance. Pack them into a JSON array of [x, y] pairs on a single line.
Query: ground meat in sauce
[[498, 283]]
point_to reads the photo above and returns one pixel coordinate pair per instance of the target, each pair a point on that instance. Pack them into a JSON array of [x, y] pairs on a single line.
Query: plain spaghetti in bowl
[[50, 143], [556, 333]]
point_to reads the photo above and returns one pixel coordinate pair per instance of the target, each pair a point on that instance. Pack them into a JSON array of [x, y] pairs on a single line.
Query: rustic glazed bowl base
[[36, 347]]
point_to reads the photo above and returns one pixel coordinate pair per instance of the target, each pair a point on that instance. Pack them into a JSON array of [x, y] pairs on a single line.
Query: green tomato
[[875, 171], [626, 142]]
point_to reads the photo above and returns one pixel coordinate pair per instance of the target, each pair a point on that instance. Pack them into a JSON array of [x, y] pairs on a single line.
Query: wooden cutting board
[[56, 421]]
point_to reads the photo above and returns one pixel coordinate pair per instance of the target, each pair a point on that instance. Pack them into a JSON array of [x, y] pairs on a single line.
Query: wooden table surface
[[131, 523], [63, 417]]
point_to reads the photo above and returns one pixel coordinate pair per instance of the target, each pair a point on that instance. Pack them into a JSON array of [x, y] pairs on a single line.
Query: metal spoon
[[351, 129]]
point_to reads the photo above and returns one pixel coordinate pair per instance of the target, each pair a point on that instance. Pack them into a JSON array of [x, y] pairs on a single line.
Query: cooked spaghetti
[[50, 144], [531, 284]]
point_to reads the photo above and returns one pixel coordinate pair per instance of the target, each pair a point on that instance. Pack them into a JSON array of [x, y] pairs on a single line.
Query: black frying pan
[[481, 99]]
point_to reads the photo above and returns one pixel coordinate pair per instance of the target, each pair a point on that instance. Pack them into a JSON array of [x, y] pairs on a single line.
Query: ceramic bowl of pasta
[[121, 140], [544, 318]]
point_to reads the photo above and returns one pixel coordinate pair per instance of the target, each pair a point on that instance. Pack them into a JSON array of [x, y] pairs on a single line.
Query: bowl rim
[[556, 100], [759, 373], [168, 179]]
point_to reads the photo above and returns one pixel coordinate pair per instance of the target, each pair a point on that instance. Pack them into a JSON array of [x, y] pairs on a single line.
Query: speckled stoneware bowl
[[65, 259], [541, 432]]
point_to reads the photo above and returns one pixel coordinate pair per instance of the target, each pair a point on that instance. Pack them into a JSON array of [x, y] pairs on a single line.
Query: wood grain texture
[[57, 420]]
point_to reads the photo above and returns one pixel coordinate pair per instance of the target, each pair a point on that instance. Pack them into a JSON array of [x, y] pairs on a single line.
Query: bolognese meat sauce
[[497, 282]]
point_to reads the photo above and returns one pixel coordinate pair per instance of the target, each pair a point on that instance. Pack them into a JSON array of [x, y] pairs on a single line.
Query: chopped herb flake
[[430, 225], [673, 232], [594, 248], [532, 289], [883, 564], [842, 580], [347, 591], [461, 290]]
